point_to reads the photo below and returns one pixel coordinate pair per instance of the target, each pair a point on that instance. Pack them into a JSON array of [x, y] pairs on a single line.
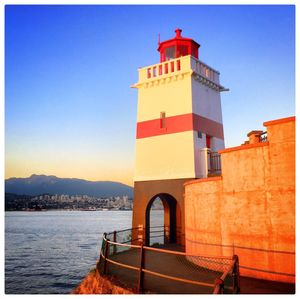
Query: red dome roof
[[177, 47]]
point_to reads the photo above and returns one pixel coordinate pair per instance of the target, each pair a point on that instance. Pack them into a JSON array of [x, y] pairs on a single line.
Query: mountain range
[[41, 184]]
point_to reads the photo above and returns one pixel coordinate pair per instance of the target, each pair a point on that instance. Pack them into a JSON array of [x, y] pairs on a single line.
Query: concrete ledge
[[279, 121], [214, 178], [243, 147]]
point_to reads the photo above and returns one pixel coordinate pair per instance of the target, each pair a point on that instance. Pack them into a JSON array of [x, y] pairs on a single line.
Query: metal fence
[[214, 162], [161, 271], [263, 137]]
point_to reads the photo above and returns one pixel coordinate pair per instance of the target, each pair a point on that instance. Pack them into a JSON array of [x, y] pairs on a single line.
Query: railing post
[[101, 253], [105, 256], [166, 234], [141, 238], [102, 245], [236, 275], [219, 286], [115, 240], [141, 273]]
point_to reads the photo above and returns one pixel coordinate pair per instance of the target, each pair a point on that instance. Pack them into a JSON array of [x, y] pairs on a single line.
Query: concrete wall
[[206, 101], [250, 210]]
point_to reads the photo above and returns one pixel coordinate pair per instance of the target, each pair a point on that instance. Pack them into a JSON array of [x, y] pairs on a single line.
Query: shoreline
[[94, 283], [71, 210]]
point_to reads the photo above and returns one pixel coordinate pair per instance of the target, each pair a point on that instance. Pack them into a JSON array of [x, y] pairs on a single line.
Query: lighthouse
[[179, 124]]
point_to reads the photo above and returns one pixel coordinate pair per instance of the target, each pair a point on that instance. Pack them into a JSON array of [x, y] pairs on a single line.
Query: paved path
[[179, 266], [260, 286], [167, 264]]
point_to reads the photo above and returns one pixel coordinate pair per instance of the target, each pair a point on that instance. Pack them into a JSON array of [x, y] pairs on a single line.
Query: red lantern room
[[177, 46]]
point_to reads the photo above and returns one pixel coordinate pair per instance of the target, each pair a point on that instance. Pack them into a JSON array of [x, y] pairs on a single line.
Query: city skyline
[[69, 108]]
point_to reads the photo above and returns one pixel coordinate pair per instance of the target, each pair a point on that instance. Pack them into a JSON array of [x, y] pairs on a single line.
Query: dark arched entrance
[[172, 219]]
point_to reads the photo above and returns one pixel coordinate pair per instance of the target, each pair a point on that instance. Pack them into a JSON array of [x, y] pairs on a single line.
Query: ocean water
[[51, 252]]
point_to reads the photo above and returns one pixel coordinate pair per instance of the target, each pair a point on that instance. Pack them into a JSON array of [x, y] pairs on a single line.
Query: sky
[[69, 108]]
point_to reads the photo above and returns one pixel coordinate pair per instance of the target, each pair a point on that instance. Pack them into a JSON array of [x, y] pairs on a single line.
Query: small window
[[208, 141], [199, 133], [162, 120]]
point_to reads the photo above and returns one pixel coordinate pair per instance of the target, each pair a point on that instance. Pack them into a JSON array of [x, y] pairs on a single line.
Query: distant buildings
[[67, 202]]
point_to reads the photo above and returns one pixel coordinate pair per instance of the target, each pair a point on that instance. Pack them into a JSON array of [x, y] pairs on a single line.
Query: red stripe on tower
[[177, 124]]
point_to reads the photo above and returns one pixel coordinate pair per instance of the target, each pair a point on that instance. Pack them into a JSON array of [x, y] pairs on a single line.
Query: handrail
[[218, 286], [122, 244], [185, 254], [178, 279], [122, 230]]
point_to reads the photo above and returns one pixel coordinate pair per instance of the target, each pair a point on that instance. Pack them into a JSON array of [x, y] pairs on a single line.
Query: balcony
[[179, 67]]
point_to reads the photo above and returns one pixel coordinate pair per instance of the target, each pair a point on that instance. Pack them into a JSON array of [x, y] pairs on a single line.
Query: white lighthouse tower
[[179, 121]]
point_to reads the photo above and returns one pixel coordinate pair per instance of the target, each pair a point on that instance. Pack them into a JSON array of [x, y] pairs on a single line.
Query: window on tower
[[208, 139], [182, 50], [170, 53], [162, 120]]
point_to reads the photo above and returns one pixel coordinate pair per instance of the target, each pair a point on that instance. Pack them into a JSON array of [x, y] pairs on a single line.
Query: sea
[[50, 252]]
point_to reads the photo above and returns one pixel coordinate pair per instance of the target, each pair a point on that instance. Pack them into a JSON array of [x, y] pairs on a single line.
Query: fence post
[[101, 249], [236, 275], [105, 256], [101, 253], [219, 286], [115, 240], [166, 234], [141, 233], [141, 273]]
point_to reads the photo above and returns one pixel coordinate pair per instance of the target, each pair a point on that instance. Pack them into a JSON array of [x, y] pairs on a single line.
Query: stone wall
[[250, 210]]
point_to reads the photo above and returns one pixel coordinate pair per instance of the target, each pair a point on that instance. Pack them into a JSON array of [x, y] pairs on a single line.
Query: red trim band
[[179, 123]]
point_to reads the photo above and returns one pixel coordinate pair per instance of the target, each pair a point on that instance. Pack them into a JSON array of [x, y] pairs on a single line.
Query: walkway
[[169, 265], [179, 266], [260, 286]]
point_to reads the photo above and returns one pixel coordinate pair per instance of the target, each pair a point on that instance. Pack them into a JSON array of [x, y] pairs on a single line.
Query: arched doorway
[[171, 223]]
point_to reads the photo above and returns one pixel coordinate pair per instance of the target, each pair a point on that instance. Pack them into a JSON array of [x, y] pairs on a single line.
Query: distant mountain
[[41, 184]]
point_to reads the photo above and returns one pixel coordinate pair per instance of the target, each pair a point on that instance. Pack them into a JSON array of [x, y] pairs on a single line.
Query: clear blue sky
[[69, 110]]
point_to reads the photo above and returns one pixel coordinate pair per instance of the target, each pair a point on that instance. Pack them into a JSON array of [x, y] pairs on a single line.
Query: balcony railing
[[179, 65], [214, 163], [209, 163], [263, 137]]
